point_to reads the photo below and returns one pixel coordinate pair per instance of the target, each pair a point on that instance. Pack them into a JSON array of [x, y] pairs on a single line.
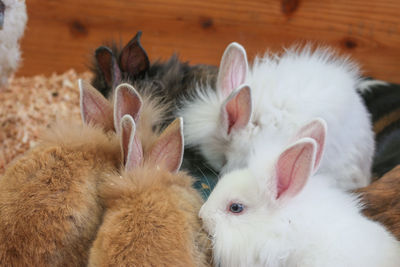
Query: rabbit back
[[382, 201], [49, 208], [151, 222], [303, 84]]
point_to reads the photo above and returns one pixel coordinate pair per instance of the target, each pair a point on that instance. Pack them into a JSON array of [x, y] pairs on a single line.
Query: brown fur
[[49, 207], [382, 201], [386, 121], [151, 220], [151, 216], [151, 117]]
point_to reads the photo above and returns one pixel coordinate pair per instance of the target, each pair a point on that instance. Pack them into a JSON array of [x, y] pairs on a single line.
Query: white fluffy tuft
[[15, 18], [366, 85], [201, 118]]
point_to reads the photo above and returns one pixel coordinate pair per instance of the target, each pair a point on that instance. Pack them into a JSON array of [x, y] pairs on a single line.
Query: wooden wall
[[62, 34]]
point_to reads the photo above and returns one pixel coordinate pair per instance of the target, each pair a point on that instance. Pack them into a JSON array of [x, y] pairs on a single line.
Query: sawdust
[[31, 104]]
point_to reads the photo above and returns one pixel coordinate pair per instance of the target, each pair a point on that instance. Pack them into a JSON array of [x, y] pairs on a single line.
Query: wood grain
[[63, 34]]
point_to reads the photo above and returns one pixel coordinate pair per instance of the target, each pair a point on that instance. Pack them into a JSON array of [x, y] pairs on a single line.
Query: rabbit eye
[[236, 208]]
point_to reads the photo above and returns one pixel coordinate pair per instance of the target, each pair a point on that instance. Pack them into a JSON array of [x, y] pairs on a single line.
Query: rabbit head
[[112, 66], [245, 202], [226, 112], [272, 214]]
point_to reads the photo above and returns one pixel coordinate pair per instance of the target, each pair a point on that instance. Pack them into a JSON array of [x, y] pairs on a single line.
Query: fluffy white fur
[[15, 18], [366, 85], [288, 90], [320, 226]]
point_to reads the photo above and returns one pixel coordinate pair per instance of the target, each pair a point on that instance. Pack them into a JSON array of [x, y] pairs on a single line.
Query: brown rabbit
[[382, 201], [151, 210], [49, 206]]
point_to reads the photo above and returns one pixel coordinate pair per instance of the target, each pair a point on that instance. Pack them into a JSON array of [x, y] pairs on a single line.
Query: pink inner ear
[[294, 167], [117, 77], [95, 109], [316, 129], [238, 109], [127, 101], [131, 146], [168, 149], [135, 154], [233, 69]]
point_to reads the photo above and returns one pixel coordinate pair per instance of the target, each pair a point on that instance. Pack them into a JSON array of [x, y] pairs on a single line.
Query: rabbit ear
[[294, 167], [127, 101], [168, 149], [232, 69], [315, 129], [108, 66], [131, 147], [237, 109], [95, 108], [133, 58], [116, 73]]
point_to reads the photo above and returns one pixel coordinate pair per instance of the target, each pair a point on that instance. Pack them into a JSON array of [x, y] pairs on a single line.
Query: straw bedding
[[28, 105]]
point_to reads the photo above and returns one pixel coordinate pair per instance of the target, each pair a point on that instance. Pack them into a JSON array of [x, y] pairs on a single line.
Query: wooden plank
[[62, 34]]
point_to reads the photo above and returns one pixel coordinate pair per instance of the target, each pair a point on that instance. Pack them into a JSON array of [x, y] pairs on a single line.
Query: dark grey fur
[[172, 80], [383, 101]]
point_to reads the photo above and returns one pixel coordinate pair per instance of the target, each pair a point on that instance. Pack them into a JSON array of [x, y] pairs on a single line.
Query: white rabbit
[[263, 107], [271, 214]]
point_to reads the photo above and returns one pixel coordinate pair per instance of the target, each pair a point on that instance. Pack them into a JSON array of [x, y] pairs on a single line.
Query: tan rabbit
[[151, 209], [49, 206], [382, 201]]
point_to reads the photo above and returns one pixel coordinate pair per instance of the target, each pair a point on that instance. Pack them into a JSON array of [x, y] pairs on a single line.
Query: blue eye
[[236, 208]]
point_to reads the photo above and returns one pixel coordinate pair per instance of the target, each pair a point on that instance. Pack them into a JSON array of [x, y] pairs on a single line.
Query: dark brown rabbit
[[151, 209], [170, 80], [382, 201], [49, 207]]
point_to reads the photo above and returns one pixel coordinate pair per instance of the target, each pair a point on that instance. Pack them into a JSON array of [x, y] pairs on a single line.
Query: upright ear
[[294, 167], [168, 149], [126, 101], [108, 66], [131, 148], [133, 58], [237, 109], [315, 129], [95, 108], [232, 69]]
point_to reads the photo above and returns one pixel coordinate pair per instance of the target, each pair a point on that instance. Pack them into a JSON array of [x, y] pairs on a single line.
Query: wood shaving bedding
[[31, 104]]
